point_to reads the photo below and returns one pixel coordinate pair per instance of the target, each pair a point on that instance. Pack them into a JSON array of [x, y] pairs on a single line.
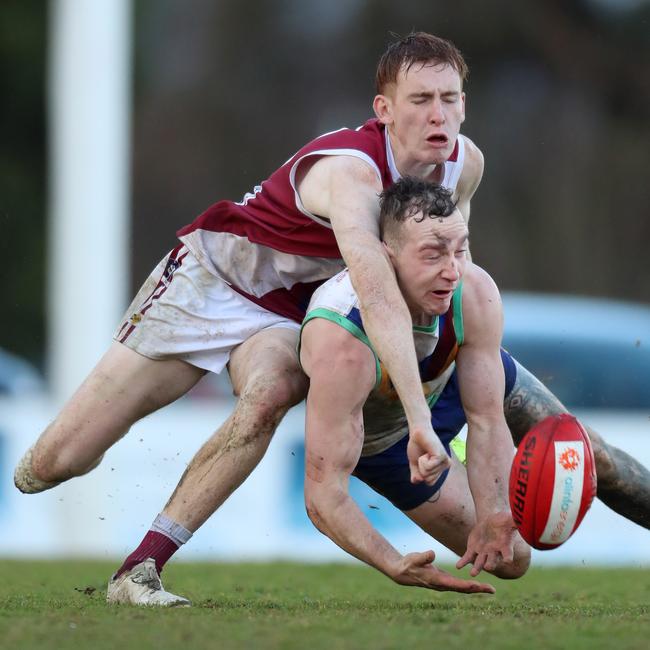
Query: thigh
[[269, 360], [528, 403], [449, 515], [122, 388]]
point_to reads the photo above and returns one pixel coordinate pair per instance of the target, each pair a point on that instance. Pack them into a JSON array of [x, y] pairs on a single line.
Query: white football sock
[[169, 528]]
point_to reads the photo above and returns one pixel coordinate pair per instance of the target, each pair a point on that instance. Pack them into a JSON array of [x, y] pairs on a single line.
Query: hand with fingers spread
[[490, 543], [427, 456], [417, 570]]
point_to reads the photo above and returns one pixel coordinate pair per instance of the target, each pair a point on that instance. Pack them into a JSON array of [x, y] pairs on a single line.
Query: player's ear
[[389, 251], [462, 103], [383, 108]]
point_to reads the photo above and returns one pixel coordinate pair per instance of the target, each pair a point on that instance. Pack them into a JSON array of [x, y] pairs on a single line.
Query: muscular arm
[[346, 190], [341, 371], [489, 444], [342, 374]]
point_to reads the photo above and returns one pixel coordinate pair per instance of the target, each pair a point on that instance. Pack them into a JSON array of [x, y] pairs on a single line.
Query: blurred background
[[216, 94]]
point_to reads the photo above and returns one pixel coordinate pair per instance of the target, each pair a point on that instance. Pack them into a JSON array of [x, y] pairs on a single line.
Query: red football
[[552, 481]]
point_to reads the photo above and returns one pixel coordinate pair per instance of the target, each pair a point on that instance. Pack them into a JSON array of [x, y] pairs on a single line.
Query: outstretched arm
[[489, 444], [346, 190], [342, 373]]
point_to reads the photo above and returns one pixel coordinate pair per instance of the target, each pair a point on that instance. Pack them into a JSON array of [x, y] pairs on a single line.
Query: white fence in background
[[105, 513]]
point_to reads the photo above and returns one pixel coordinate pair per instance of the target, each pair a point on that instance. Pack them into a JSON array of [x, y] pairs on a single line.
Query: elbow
[[313, 506], [320, 501]]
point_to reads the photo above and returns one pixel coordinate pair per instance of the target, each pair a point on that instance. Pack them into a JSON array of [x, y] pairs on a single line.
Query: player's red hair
[[417, 47]]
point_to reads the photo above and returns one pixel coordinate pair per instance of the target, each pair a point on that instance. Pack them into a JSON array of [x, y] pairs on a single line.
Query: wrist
[[393, 567], [418, 411], [500, 515]]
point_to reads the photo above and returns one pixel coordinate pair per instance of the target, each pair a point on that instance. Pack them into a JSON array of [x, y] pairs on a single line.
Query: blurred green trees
[[22, 176]]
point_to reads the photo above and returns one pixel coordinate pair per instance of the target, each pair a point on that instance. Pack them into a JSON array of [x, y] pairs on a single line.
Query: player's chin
[[438, 153], [439, 157], [439, 303]]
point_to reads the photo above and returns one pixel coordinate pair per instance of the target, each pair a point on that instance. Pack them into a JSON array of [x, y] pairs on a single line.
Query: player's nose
[[437, 115], [451, 269]]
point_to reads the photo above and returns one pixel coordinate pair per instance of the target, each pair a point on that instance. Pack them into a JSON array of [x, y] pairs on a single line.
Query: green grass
[[61, 605]]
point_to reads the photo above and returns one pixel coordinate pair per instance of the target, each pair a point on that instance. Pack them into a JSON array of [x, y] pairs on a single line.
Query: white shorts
[[184, 312]]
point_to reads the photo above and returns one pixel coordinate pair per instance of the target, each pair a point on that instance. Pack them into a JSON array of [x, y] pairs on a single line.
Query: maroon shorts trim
[[174, 261]]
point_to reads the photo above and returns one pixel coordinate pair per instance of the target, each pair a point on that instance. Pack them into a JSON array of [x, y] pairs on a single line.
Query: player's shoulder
[[368, 135], [473, 166], [474, 159], [355, 153], [481, 297]]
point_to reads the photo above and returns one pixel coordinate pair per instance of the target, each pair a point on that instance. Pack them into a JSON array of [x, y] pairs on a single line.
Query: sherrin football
[[552, 481]]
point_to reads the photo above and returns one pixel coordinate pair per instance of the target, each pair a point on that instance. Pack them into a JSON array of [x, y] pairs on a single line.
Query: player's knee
[[52, 464], [265, 399], [519, 565], [46, 463], [27, 479], [289, 387]]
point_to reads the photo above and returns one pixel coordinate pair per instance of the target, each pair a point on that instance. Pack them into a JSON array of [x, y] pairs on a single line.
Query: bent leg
[[449, 517], [122, 388], [267, 378], [623, 483]]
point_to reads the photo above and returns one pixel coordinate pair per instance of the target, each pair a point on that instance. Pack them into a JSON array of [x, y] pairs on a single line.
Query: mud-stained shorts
[[184, 312]]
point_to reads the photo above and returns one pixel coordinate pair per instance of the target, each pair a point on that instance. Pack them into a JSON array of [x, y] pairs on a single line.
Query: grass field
[[61, 605]]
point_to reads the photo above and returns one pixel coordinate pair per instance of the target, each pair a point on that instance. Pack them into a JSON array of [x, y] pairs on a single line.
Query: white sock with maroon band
[[162, 540], [168, 527]]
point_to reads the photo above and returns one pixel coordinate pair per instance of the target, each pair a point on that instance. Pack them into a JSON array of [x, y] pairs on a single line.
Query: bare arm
[[469, 180], [346, 190], [342, 374], [489, 444], [470, 177]]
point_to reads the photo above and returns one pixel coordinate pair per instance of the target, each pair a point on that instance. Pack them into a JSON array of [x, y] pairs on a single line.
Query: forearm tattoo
[[528, 403]]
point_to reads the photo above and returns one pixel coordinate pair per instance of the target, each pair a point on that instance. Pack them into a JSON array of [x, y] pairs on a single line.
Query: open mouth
[[439, 140], [443, 294]]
